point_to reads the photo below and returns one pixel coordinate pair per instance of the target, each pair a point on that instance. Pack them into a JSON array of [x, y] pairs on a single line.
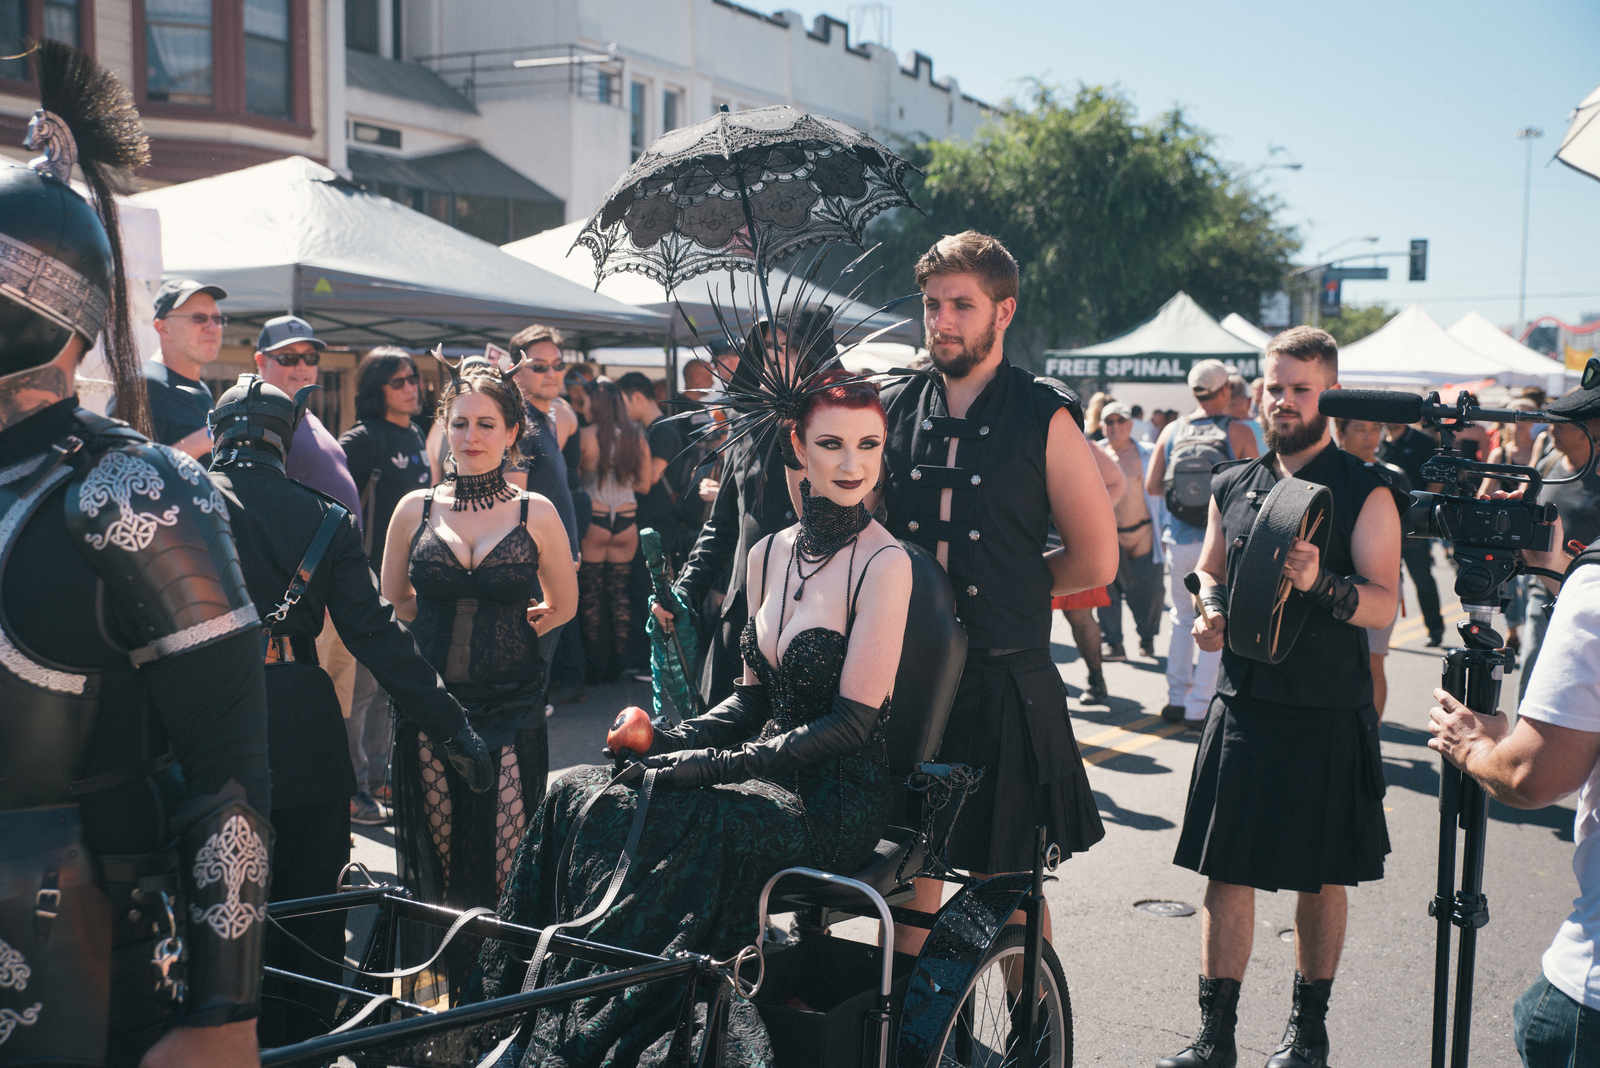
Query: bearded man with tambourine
[[1302, 551]]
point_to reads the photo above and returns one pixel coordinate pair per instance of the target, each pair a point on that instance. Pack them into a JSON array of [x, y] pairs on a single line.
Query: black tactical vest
[[1327, 667], [1000, 508]]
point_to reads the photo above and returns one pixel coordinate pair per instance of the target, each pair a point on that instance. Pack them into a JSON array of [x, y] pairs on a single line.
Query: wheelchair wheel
[[986, 1030]]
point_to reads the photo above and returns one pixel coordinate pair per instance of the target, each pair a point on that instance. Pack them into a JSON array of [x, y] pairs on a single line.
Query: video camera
[[1485, 535]]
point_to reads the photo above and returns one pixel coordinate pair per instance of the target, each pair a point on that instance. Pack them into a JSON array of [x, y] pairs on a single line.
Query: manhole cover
[[1164, 908]]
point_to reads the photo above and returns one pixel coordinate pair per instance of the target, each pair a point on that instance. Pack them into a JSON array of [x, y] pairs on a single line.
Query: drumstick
[[1191, 582]]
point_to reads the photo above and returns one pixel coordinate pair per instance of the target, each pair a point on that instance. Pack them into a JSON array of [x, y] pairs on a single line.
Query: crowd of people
[[222, 644]]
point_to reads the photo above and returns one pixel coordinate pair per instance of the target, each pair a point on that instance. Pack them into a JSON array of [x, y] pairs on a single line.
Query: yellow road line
[[1119, 740], [1415, 628]]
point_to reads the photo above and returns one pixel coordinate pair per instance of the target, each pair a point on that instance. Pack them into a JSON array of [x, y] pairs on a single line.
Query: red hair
[[851, 392]]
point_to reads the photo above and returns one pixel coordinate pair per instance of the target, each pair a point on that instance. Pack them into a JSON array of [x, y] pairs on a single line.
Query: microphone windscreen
[[1372, 405]]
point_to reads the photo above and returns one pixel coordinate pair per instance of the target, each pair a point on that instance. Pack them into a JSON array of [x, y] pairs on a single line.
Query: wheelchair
[[826, 1001]]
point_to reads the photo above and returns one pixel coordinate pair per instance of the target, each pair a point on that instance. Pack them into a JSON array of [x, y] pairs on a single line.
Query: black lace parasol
[[742, 191]]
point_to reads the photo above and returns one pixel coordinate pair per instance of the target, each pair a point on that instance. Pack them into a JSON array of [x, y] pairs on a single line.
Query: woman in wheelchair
[[790, 770]]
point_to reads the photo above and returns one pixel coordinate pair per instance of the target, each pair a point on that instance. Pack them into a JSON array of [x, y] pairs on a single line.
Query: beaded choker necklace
[[481, 491], [825, 529]]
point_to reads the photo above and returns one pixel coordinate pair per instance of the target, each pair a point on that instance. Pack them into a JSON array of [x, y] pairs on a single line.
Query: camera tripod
[[1472, 675]]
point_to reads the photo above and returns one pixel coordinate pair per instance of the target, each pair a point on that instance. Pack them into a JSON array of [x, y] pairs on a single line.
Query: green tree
[[1106, 216], [1357, 321]]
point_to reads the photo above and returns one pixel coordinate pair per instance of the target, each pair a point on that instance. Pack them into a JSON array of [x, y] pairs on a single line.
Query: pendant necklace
[[825, 529]]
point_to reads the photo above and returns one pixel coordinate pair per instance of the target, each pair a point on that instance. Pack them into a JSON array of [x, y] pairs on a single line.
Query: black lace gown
[[701, 862], [455, 847]]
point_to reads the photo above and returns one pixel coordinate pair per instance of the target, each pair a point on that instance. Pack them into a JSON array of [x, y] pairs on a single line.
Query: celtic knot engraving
[[114, 480], [231, 856], [192, 473], [10, 1018], [14, 970]]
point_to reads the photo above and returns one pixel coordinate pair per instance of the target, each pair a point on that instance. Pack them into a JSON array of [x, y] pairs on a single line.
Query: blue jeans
[[1553, 1031]]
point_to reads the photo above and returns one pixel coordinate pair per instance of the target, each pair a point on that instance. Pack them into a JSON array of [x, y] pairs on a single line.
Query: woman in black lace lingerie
[[789, 770], [481, 570], [614, 465]]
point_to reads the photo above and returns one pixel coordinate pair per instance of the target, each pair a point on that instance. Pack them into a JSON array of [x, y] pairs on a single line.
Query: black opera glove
[[839, 733], [1336, 593], [738, 717], [470, 757]]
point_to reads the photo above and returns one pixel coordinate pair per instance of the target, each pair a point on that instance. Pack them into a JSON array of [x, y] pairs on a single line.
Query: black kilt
[[1286, 797], [1010, 718]]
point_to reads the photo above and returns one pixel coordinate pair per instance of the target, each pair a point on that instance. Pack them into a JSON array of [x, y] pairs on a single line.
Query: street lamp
[[1528, 134], [1323, 255]]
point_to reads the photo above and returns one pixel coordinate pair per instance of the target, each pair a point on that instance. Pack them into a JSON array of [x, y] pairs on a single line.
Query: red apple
[[632, 730]]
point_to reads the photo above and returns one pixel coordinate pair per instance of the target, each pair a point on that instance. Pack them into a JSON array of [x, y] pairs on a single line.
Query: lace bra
[[472, 624]]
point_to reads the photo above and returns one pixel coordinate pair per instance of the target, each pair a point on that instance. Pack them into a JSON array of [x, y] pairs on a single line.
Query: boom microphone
[[1371, 405], [1393, 406]]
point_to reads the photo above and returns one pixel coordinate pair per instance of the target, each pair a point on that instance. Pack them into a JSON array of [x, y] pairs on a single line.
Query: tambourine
[[1263, 619]]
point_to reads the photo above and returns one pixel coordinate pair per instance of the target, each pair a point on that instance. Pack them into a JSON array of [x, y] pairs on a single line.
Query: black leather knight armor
[[76, 901]]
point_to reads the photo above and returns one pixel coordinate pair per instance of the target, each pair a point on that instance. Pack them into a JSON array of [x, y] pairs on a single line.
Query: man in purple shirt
[[287, 354]]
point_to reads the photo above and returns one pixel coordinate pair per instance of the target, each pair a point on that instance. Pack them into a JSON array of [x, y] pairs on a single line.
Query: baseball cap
[[178, 290], [1115, 408], [1583, 401], [1208, 377], [285, 329]]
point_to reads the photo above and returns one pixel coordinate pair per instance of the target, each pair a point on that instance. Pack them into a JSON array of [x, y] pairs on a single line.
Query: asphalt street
[[1132, 973]]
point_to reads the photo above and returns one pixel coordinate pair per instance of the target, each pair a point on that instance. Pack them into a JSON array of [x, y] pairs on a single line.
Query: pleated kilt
[[1009, 718], [1286, 798]]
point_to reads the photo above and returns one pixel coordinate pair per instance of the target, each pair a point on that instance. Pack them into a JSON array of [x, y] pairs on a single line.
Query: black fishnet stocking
[[621, 608], [511, 816], [436, 803], [591, 613]]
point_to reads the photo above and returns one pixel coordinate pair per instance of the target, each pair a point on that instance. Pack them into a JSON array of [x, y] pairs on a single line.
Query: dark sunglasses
[[294, 359], [202, 320], [1591, 373], [402, 381]]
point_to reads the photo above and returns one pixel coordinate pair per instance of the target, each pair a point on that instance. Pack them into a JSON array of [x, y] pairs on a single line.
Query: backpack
[[1196, 449]]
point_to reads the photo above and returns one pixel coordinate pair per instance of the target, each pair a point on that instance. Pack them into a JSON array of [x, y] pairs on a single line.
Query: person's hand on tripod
[[1460, 733]]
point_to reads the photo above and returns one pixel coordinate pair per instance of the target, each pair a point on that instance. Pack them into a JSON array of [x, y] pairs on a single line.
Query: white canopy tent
[[292, 235], [1527, 366], [1412, 349], [1161, 349], [1580, 147], [1245, 330], [552, 251]]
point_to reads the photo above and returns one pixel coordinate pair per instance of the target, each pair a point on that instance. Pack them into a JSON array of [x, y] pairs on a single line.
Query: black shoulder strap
[[855, 598], [766, 558], [526, 497], [427, 504], [308, 564]]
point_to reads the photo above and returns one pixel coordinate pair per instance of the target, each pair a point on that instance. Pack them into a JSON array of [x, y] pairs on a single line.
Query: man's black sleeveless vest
[[1327, 667], [1000, 507]]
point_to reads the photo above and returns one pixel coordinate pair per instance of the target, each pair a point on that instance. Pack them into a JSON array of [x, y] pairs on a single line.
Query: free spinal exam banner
[[1139, 368]]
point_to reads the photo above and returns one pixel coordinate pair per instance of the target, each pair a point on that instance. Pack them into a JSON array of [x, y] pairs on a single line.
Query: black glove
[[841, 732], [471, 759], [737, 718]]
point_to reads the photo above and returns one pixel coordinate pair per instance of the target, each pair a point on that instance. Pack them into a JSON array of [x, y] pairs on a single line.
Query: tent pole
[[672, 359]]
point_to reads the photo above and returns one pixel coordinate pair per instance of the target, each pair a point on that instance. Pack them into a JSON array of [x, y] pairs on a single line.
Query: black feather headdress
[[87, 117], [772, 383]]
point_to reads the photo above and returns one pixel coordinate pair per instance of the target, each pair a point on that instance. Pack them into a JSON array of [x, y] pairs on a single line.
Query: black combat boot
[[1219, 1012], [1305, 1040]]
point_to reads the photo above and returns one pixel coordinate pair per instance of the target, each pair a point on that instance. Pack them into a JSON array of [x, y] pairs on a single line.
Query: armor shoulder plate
[[155, 529]]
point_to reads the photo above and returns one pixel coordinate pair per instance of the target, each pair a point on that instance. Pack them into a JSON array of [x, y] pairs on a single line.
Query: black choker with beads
[[481, 491], [826, 527]]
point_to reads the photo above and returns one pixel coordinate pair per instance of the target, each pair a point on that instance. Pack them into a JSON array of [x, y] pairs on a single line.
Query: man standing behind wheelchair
[[980, 457], [1287, 790]]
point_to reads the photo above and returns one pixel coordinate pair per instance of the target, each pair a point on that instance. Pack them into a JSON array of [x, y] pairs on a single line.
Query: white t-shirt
[[1565, 692]]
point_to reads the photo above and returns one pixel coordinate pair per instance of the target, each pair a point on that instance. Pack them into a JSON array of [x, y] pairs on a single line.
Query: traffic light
[[1419, 259]]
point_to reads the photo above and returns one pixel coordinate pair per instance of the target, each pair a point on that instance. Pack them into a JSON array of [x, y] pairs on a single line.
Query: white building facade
[[568, 92]]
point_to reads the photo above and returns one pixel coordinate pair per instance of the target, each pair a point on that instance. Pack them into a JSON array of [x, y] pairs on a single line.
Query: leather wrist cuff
[[1215, 599], [1336, 593], [225, 867]]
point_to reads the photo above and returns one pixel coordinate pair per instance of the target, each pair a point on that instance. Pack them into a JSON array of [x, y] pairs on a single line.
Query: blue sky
[[1403, 114]]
